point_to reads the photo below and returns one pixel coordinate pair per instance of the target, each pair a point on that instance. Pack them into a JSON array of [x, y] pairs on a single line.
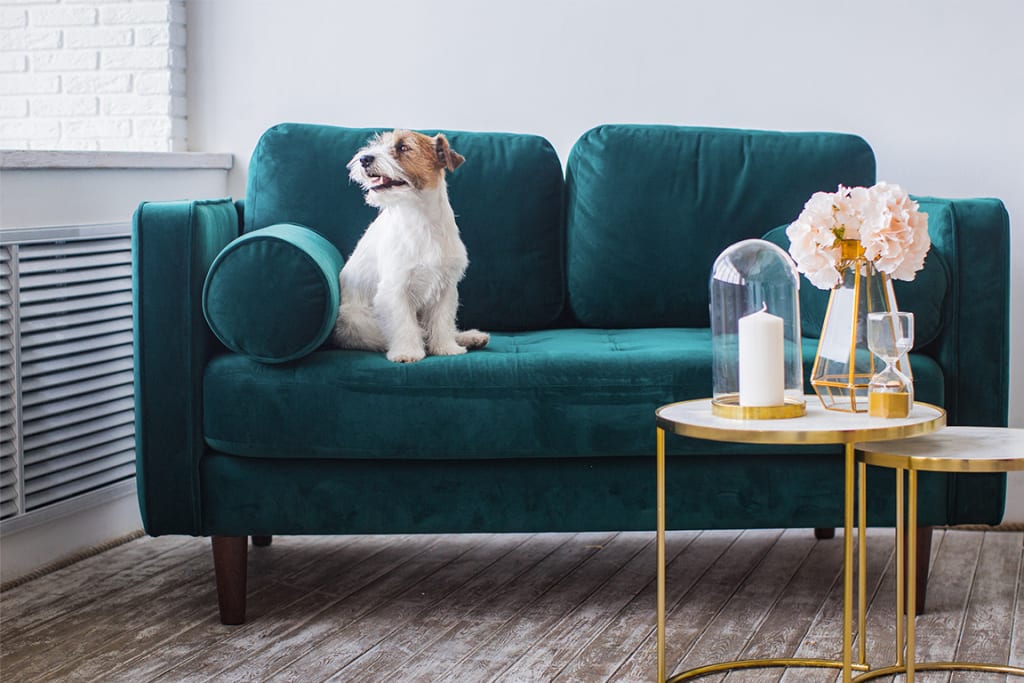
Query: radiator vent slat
[[10, 414], [36, 440], [91, 459], [54, 424], [58, 449], [64, 391], [75, 403], [33, 296], [65, 367], [81, 484], [31, 384], [68, 342], [49, 283], [65, 249], [30, 312], [76, 321], [88, 264]]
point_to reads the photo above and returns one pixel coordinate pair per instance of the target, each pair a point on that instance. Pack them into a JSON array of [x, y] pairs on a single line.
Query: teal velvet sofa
[[592, 280]]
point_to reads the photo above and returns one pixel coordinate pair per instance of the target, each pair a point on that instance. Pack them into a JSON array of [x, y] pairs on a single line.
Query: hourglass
[[890, 336]]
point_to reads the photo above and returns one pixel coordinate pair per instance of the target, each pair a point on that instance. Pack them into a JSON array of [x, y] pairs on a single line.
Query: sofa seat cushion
[[552, 393], [542, 393]]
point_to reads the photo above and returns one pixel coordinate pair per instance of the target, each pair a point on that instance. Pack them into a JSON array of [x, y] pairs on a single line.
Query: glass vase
[[844, 365]]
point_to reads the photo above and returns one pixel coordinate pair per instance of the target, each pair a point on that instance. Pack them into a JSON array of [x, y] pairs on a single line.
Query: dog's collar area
[[383, 182]]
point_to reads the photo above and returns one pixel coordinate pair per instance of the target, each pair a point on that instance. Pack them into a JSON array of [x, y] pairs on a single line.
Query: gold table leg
[[661, 554], [848, 567], [906, 600], [847, 665], [901, 566], [862, 561], [911, 533]]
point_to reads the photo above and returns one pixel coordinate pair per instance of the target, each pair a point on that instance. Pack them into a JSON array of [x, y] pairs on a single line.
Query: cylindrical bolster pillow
[[273, 293]]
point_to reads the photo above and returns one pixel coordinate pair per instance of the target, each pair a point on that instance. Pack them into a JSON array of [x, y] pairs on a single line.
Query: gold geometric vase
[[843, 365]]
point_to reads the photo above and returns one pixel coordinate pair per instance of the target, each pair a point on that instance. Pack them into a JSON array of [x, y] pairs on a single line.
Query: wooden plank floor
[[516, 607]]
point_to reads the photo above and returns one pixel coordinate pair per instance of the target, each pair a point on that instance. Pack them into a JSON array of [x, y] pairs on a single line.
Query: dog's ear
[[446, 156]]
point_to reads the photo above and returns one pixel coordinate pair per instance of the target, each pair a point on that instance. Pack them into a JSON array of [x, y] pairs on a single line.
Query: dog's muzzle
[[377, 181]]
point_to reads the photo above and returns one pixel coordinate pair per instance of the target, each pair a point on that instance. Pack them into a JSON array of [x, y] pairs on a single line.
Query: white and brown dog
[[399, 288]]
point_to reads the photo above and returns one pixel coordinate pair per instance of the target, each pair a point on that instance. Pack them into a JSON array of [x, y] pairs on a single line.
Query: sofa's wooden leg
[[825, 533], [262, 541], [924, 553], [229, 564]]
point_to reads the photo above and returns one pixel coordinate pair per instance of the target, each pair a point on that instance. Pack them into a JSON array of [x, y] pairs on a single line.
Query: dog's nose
[[366, 160]]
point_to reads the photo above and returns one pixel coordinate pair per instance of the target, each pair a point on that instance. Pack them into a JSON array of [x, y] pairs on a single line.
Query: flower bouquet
[[854, 242], [882, 218]]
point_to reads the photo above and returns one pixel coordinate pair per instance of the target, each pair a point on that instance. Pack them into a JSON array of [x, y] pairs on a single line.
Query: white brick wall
[[100, 75]]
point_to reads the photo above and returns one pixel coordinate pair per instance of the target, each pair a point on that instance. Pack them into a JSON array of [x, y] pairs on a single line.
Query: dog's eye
[[403, 148]]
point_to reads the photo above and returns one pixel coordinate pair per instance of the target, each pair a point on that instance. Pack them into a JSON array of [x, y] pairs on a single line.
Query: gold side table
[[955, 449], [819, 426]]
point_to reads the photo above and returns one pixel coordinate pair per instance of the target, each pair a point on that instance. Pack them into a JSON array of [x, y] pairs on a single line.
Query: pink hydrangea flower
[[896, 238], [887, 222]]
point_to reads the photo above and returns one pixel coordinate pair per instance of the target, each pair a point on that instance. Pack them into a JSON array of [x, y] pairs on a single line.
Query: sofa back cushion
[[507, 198], [651, 207]]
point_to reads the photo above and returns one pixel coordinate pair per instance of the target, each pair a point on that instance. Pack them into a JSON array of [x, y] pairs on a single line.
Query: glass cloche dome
[[755, 333]]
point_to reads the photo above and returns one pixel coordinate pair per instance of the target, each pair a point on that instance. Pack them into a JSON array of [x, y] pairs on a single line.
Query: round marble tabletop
[[818, 425], [954, 449]]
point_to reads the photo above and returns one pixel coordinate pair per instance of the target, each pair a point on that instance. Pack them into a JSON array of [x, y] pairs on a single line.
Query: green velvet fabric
[[554, 393], [651, 207], [273, 293], [173, 245], [546, 429], [507, 198], [924, 296], [973, 237], [268, 496], [531, 394]]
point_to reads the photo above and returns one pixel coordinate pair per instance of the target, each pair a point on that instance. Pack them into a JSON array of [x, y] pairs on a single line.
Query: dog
[[399, 290]]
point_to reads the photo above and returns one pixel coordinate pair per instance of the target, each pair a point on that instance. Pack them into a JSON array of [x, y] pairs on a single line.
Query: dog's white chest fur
[[417, 251], [399, 289]]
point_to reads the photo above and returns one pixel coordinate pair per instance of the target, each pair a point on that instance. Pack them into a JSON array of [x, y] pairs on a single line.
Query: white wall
[[935, 86]]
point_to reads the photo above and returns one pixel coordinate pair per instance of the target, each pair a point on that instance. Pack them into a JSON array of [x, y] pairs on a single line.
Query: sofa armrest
[[973, 237], [173, 245]]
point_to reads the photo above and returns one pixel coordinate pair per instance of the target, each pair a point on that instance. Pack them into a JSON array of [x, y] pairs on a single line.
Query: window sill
[[45, 159]]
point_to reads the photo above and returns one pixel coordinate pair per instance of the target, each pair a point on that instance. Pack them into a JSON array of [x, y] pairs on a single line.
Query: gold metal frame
[[794, 436], [729, 407], [907, 467], [841, 389]]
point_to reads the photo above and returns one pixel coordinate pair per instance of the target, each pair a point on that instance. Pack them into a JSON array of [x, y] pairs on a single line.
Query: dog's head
[[400, 162]]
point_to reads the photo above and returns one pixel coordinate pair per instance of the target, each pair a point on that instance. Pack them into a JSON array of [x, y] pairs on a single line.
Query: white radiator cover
[[67, 431]]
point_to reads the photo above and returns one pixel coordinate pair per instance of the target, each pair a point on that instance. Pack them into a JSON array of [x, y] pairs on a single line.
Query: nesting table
[[954, 449], [818, 426]]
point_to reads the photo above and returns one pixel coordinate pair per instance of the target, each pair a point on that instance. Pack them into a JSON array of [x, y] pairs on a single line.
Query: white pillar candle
[[762, 360]]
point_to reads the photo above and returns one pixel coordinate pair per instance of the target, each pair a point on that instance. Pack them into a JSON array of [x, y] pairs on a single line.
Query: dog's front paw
[[405, 355], [473, 339], [452, 349]]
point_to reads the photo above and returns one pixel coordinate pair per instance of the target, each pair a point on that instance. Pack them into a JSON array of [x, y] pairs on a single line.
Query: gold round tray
[[729, 407]]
